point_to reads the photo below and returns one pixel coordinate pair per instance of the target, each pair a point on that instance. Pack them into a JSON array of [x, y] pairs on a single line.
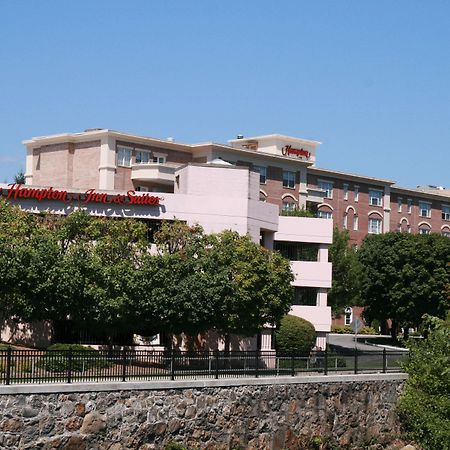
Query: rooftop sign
[[287, 150], [16, 191]]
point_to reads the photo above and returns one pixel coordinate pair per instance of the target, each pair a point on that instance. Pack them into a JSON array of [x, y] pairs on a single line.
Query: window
[[409, 201], [356, 193], [374, 226], [306, 296], [141, 188], [324, 214], [159, 159], [446, 232], [262, 173], [424, 230], [424, 209], [348, 315], [345, 189], [399, 205], [289, 206], [262, 197], [295, 251], [355, 223], [124, 156], [288, 179], [345, 221], [142, 157], [445, 212], [327, 186], [375, 197]]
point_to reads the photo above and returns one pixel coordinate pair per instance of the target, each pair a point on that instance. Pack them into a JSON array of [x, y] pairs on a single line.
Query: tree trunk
[[406, 333], [394, 328]]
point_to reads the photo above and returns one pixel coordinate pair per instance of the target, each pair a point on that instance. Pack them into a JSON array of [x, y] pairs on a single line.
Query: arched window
[[348, 315]]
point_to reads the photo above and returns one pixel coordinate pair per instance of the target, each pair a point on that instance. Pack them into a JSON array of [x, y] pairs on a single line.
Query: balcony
[[153, 172], [315, 195], [319, 316], [311, 274]]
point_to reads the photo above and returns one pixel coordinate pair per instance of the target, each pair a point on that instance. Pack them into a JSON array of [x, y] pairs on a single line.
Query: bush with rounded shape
[[295, 335]]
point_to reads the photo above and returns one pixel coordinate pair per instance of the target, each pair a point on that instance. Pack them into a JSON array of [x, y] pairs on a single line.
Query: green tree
[[405, 277], [425, 403], [298, 212], [346, 272]]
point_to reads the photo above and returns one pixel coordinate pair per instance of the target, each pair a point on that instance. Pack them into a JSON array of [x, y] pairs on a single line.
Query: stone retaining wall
[[222, 414]]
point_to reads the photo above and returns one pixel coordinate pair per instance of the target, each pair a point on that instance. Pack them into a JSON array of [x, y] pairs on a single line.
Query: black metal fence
[[67, 366]]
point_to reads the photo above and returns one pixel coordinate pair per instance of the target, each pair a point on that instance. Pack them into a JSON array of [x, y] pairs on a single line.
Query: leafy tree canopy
[[405, 277]]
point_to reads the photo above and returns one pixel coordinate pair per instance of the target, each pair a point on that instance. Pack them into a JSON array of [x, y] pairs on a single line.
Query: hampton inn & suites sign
[[19, 191]]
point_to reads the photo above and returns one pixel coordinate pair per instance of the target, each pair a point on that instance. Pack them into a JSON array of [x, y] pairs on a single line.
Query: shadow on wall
[[35, 334]]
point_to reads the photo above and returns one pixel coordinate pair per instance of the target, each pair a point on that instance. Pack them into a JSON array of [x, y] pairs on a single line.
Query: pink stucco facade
[[217, 196]]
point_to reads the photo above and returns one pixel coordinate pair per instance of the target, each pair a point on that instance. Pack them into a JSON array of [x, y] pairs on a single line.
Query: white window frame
[[289, 206], [375, 197], [399, 204], [345, 190], [327, 186], [356, 189], [410, 205], [445, 232], [424, 230], [446, 212], [355, 222], [348, 312], [148, 156], [324, 214], [124, 156], [375, 229], [262, 173], [424, 206], [289, 177], [159, 158]]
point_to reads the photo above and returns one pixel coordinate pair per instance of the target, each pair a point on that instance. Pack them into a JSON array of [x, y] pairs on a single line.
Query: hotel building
[[288, 176], [244, 186]]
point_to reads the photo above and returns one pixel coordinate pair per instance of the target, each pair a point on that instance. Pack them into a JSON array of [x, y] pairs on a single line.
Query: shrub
[[56, 359], [174, 446], [341, 329], [347, 329], [425, 403], [295, 335]]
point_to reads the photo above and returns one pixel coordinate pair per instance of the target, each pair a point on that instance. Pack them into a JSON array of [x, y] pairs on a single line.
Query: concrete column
[[322, 296], [303, 191], [387, 209], [107, 166], [29, 166], [268, 239], [323, 253]]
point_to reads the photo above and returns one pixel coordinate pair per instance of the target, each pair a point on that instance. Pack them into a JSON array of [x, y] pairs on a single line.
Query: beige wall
[[85, 163]]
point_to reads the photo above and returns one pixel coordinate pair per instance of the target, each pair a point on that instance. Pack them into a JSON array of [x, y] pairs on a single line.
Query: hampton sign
[[18, 191], [287, 150]]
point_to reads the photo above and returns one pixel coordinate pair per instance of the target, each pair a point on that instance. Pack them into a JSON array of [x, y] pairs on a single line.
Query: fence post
[[69, 366], [172, 365], [325, 362], [292, 365], [256, 364], [356, 360], [8, 365], [217, 363], [124, 364], [384, 360]]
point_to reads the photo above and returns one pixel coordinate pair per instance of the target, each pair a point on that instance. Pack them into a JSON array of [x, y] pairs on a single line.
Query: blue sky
[[369, 79]]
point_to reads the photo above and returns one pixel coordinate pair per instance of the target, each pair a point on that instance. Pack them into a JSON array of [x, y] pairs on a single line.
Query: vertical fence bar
[[217, 364], [356, 361], [292, 365], [325, 366], [172, 365], [69, 366], [124, 364], [256, 364], [384, 360], [8, 365]]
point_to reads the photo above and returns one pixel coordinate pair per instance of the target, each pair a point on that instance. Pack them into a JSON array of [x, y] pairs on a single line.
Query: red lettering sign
[[18, 191], [287, 150]]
